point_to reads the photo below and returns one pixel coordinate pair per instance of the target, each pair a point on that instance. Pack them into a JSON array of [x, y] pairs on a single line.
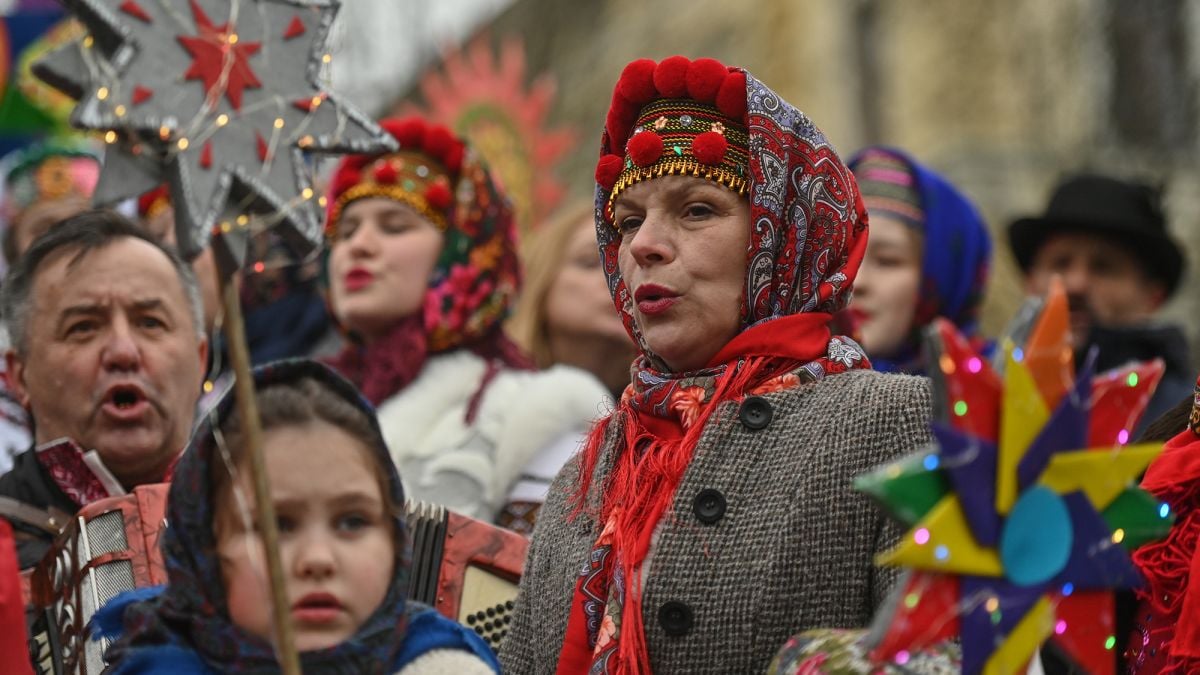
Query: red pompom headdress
[[677, 117], [420, 174]]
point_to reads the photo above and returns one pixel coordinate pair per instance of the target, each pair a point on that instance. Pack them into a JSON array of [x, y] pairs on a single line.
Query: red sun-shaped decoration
[[216, 54], [486, 101]]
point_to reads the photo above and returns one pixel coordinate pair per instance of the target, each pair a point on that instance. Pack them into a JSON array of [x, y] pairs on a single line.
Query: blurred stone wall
[[1002, 97]]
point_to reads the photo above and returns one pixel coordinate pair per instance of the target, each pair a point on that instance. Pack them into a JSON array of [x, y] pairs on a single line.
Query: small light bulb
[[327, 58], [307, 193], [110, 137], [88, 42], [119, 110], [164, 133], [226, 227], [242, 220], [102, 93], [278, 122], [322, 201], [222, 119], [316, 101], [233, 38], [183, 144]]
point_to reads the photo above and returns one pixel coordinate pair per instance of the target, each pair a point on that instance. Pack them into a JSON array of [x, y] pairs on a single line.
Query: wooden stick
[[239, 357]]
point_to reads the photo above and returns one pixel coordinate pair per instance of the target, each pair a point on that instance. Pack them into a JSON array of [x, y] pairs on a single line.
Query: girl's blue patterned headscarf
[[191, 613]]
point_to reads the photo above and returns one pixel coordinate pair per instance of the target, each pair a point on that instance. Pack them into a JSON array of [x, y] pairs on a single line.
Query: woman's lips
[[654, 299], [652, 307], [357, 279]]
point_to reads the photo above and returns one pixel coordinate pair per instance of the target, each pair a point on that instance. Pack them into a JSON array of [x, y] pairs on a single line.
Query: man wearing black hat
[[1107, 239]]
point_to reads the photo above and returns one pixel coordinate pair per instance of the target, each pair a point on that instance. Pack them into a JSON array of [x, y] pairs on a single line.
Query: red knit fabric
[[1169, 611]]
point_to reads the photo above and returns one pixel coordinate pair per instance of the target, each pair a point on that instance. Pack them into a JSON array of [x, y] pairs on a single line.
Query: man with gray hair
[[108, 355]]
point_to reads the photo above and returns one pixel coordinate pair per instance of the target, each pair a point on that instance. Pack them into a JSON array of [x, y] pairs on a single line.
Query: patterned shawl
[[955, 261], [808, 236], [191, 612]]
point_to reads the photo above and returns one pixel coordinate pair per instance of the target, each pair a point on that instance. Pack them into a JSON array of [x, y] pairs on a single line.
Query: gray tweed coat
[[766, 536]]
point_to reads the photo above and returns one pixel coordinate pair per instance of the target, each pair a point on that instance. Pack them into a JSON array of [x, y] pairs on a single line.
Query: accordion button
[[709, 506], [755, 413], [675, 618]]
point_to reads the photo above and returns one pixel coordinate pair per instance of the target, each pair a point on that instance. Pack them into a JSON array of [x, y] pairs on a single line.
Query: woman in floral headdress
[[711, 515], [422, 272]]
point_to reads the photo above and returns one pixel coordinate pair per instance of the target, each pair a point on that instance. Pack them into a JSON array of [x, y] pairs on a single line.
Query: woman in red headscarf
[[422, 273], [711, 515], [1166, 636]]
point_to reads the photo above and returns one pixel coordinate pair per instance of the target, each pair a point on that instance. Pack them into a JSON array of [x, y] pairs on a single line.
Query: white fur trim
[[440, 458]]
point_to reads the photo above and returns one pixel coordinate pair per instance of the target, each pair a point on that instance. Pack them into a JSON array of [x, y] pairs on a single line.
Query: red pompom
[[731, 97], [709, 148], [409, 131], [438, 195], [454, 157], [670, 77], [621, 116], [704, 78], [645, 148], [386, 174], [608, 169], [637, 82], [345, 178], [438, 140]]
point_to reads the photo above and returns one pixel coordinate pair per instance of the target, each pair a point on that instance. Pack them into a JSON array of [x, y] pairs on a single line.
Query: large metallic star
[[227, 94]]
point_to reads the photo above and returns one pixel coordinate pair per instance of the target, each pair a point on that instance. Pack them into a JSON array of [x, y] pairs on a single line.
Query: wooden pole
[[239, 357]]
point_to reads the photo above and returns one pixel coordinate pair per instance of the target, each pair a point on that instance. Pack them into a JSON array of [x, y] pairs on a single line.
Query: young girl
[[343, 545]]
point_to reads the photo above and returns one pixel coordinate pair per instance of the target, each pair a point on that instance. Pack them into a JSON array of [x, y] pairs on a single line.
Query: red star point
[[219, 59], [135, 10], [295, 29]]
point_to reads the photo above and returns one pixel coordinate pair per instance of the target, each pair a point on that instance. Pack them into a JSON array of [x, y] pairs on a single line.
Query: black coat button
[[755, 413], [676, 618], [709, 506]]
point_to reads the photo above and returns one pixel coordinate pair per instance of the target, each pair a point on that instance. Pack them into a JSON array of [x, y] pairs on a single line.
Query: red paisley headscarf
[[808, 236]]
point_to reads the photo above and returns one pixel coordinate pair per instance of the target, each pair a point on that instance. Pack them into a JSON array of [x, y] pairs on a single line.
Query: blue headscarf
[[955, 261], [188, 621]]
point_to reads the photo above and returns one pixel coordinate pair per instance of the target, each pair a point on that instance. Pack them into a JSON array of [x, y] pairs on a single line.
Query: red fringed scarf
[[1171, 597], [661, 418]]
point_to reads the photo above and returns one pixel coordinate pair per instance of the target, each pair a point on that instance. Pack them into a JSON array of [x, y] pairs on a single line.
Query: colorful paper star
[[225, 96], [1022, 518]]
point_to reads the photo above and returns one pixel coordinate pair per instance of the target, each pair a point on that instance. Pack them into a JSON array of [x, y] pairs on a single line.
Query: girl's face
[[886, 290], [335, 537], [380, 264], [578, 303]]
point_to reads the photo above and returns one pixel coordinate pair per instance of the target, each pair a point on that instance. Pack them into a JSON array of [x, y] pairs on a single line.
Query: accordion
[[466, 569], [109, 547]]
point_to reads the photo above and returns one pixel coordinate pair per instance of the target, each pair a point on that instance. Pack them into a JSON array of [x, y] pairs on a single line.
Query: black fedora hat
[[1126, 211]]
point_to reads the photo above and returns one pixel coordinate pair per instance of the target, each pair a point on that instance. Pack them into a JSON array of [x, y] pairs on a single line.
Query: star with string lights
[[225, 96], [1022, 517]]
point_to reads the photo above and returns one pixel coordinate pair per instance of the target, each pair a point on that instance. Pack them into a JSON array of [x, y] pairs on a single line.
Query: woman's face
[[336, 539], [683, 257], [888, 284], [380, 264], [578, 303]]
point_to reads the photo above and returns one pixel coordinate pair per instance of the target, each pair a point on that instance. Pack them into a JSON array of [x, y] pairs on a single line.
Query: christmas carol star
[[1022, 517], [226, 95]]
